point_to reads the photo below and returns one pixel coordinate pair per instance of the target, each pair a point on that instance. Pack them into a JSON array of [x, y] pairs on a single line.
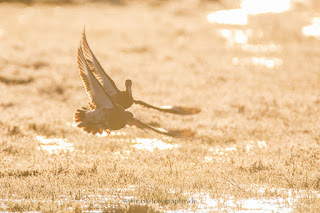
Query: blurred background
[[252, 66]]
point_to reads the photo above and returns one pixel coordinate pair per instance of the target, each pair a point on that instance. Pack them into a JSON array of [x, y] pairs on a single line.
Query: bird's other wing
[[180, 133], [97, 95], [171, 109], [107, 83]]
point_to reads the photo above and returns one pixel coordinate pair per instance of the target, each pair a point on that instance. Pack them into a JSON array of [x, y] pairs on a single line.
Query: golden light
[[233, 17], [152, 143], [54, 145], [313, 29], [248, 7], [255, 7]]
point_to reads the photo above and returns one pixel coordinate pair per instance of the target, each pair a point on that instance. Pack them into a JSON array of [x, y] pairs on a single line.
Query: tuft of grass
[[308, 204]]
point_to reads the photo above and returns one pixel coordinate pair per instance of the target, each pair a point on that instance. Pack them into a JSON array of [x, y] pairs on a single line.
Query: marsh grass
[[173, 57]]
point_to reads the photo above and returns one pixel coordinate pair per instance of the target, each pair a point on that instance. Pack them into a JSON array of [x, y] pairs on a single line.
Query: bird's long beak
[[128, 87]]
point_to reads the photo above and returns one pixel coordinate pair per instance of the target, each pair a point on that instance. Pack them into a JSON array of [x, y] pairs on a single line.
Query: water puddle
[[152, 143], [235, 36], [284, 201], [240, 37], [249, 7], [269, 63], [71, 124], [223, 153], [54, 145], [312, 30], [256, 7], [230, 204], [261, 48], [106, 134], [231, 17]]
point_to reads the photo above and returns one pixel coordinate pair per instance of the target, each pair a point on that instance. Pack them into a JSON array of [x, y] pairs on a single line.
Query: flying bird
[[104, 113], [124, 98]]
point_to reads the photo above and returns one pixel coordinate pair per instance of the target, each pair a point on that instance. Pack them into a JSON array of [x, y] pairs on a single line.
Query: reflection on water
[[152, 143], [241, 37], [233, 17], [256, 145], [230, 204], [284, 201], [54, 145], [313, 29], [248, 7], [271, 47], [235, 36], [259, 61], [255, 7], [104, 134], [224, 151], [71, 124], [219, 152]]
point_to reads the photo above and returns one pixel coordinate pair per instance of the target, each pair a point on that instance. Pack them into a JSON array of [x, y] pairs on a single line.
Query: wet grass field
[[257, 145]]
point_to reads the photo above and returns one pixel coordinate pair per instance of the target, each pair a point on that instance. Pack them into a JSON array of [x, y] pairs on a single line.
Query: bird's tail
[[82, 119], [181, 133], [171, 109]]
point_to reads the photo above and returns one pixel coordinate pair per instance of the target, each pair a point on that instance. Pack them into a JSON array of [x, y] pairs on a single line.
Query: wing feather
[[179, 133], [107, 83], [97, 95], [171, 109]]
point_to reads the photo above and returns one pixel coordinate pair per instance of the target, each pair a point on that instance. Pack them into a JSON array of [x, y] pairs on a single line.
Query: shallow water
[[232, 17], [235, 36], [256, 7], [223, 153], [269, 63], [249, 7], [54, 145], [284, 201], [152, 143], [312, 30], [260, 48]]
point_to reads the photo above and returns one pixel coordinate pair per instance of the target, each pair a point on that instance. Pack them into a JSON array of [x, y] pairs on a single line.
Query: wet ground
[[252, 69]]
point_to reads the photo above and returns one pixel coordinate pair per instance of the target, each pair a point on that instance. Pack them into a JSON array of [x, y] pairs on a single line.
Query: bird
[[104, 114], [124, 98]]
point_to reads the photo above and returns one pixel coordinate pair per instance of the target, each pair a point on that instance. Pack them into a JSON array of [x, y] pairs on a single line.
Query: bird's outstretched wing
[[97, 95], [181, 133], [107, 83], [172, 109]]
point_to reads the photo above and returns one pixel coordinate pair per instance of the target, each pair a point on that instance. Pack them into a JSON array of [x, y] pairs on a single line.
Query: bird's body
[[104, 113], [101, 119]]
